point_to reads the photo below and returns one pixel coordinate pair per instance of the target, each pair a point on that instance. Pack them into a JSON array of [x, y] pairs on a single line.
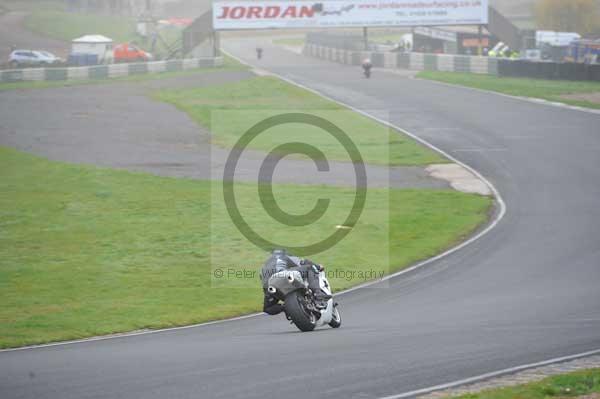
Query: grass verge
[[258, 98], [551, 90], [33, 5], [569, 385], [87, 251], [68, 26]]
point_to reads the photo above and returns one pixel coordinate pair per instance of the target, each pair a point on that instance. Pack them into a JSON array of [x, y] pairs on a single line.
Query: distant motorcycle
[[299, 301], [259, 52], [367, 65]]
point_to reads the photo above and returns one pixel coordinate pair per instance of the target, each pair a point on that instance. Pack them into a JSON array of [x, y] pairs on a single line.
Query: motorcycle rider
[[367, 65], [278, 261]]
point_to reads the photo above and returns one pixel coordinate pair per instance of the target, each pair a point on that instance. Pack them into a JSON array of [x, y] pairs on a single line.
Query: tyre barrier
[[461, 63], [416, 61], [106, 71], [549, 70]]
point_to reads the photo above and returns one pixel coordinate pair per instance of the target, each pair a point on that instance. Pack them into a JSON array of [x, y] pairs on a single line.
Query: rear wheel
[[295, 308]]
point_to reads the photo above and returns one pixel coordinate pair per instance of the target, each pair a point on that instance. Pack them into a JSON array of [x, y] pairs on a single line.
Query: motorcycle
[[299, 302], [366, 65], [367, 71]]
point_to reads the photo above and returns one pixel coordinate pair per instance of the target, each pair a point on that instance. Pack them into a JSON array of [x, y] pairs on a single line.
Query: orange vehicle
[[127, 52]]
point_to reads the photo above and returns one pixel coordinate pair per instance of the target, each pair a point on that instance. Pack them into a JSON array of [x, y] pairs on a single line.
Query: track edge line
[[492, 374]]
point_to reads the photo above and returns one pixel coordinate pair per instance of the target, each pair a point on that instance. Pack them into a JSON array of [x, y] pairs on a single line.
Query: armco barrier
[[84, 73], [480, 65], [34, 74], [403, 60], [106, 71], [118, 70], [389, 60], [430, 62], [98, 72], [460, 63], [135, 69], [416, 61], [56, 74], [445, 63], [377, 60], [12, 76], [493, 66]]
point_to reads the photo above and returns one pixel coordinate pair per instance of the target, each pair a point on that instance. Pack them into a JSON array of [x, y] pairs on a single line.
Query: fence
[[106, 71]]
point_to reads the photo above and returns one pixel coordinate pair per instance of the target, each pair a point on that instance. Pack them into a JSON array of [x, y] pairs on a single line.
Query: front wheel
[[336, 319], [296, 309], [14, 64]]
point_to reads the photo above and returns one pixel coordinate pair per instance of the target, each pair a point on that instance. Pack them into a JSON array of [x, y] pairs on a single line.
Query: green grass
[[86, 251], [550, 90], [258, 98], [570, 385], [68, 26], [32, 5]]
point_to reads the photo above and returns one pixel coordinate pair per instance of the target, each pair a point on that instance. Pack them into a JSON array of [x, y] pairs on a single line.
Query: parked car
[[22, 58], [50, 58], [127, 52]]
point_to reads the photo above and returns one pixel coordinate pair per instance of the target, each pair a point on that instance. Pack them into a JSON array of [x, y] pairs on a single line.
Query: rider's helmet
[[277, 261], [281, 258], [367, 61]]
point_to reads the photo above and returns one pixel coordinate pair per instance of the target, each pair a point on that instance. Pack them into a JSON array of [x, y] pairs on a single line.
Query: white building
[[99, 45]]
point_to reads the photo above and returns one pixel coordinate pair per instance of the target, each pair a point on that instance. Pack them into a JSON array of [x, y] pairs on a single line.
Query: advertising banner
[[436, 34], [347, 13]]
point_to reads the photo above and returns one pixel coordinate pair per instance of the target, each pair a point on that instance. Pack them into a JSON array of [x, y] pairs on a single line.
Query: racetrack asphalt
[[525, 292], [118, 125]]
